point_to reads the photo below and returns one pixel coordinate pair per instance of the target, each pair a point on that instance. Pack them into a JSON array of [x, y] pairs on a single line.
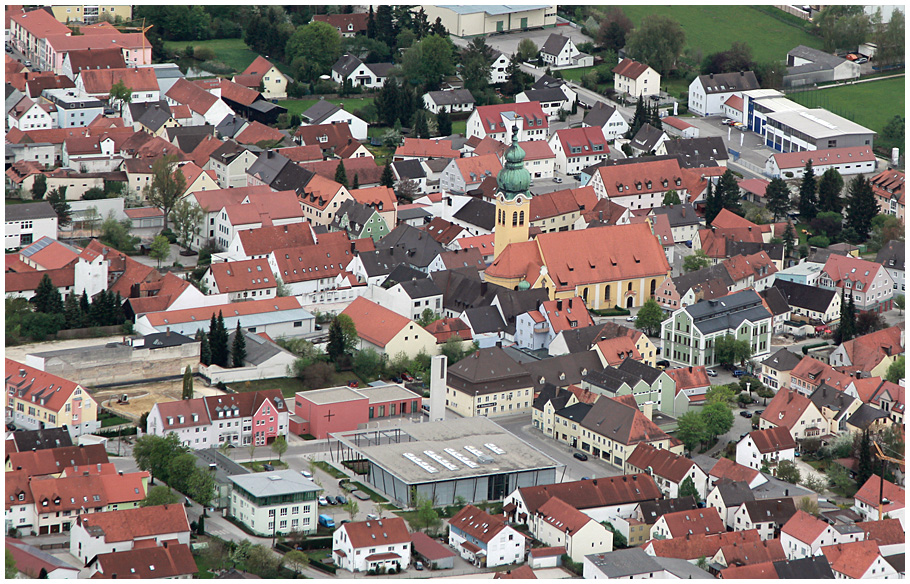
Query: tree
[[861, 207], [827, 224], [341, 175], [717, 418], [808, 206], [117, 234], [696, 261], [160, 249], [671, 197], [869, 322], [167, 186], [729, 194], [687, 488], [205, 351], [159, 495], [444, 123], [789, 238], [262, 561], [690, 430], [896, 371], [238, 349], [187, 383], [11, 572], [649, 317], [476, 60], [427, 317], [313, 49], [829, 189], [838, 476], [47, 297], [421, 125], [808, 505], [57, 199], [387, 179], [864, 457], [614, 29], [765, 393], [730, 350], [200, 530], [527, 50], [737, 58], [427, 516], [619, 540], [846, 329], [429, 61], [367, 363], [788, 471], [385, 26], [777, 197], [280, 446], [658, 41], [252, 449], [352, 508], [720, 394], [121, 95], [188, 219], [39, 186], [179, 470], [218, 340], [297, 560]]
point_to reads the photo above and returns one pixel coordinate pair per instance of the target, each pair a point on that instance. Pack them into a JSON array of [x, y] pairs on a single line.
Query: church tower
[[513, 202]]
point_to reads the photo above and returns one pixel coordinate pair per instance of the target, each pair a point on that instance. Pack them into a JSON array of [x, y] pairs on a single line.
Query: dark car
[[663, 363], [341, 499], [739, 373], [396, 380], [580, 456], [331, 500], [268, 467], [745, 414]]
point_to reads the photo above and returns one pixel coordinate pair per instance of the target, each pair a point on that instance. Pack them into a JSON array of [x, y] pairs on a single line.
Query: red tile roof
[[382, 199], [531, 112], [477, 523], [101, 80], [586, 138], [365, 168], [39, 387], [357, 21], [55, 460], [562, 202], [444, 328], [463, 258], [31, 560], [562, 516], [258, 242], [868, 494], [867, 351], [40, 23], [27, 281], [852, 559], [520, 573], [592, 493], [326, 259], [168, 561], [662, 463], [762, 571], [754, 552], [842, 268], [141, 522], [238, 93], [89, 491], [484, 243], [694, 522], [257, 70], [727, 469], [830, 156], [474, 168], [804, 527], [757, 265], [303, 153], [772, 439], [566, 314], [813, 372], [696, 546], [243, 275], [735, 102], [786, 408], [625, 180], [388, 531], [425, 148], [265, 208], [618, 349], [676, 123], [256, 132], [884, 532], [629, 68], [518, 260], [689, 377], [537, 150], [375, 323], [204, 314], [190, 94], [131, 272]]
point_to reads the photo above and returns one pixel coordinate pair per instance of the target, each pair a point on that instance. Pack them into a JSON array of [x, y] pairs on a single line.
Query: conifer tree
[[238, 350], [356, 184], [777, 198], [829, 188], [861, 207], [444, 123], [218, 341], [187, 383], [713, 204], [789, 238], [72, 312], [341, 175], [808, 206], [387, 179], [205, 351], [47, 297]]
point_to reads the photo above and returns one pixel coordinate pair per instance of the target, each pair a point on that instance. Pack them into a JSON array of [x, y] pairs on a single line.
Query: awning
[[509, 508], [470, 547], [340, 553], [383, 557]]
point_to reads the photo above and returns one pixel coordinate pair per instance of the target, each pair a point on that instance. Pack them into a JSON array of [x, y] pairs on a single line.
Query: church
[[616, 265]]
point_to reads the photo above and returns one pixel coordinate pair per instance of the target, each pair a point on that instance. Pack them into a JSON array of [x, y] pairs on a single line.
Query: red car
[[407, 377], [353, 384]]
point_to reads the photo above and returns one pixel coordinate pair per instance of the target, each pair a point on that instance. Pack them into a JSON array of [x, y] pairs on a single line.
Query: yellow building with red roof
[[36, 399]]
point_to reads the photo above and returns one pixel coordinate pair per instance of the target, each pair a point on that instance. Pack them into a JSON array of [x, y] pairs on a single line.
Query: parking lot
[[508, 42]]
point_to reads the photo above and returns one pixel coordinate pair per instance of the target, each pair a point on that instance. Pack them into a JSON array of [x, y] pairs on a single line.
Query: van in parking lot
[[326, 521]]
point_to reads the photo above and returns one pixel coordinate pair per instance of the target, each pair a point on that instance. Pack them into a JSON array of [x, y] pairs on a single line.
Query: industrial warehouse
[[473, 458]]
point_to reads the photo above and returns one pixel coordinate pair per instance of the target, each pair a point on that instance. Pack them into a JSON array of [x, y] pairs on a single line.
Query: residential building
[[558, 51], [639, 184], [127, 529], [97, 83], [635, 563], [707, 93], [846, 160], [888, 187], [649, 141], [465, 174], [635, 79], [872, 353], [608, 119], [324, 112], [766, 448], [262, 73], [811, 373], [484, 383], [559, 524], [358, 221], [706, 521], [767, 516], [791, 410], [230, 161], [281, 501], [688, 336], [858, 559], [205, 107], [810, 303], [804, 535], [171, 560], [349, 68], [28, 223], [485, 540], [892, 257], [536, 329], [32, 562], [54, 461], [697, 152], [380, 544], [669, 470], [335, 140], [241, 280], [348, 25], [578, 148], [775, 370], [450, 101], [499, 67], [74, 109], [867, 500], [552, 100], [708, 283], [387, 332], [869, 282], [498, 121], [691, 382], [34, 403], [614, 427]]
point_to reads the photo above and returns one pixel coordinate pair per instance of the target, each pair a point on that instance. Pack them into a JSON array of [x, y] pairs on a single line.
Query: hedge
[[615, 311]]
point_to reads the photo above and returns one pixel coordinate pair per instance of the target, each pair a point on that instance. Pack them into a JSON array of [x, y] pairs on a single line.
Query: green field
[[714, 28], [298, 106], [870, 104], [232, 52]]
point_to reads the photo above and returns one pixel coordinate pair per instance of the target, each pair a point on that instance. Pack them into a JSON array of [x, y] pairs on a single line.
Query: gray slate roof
[[783, 360], [599, 115], [452, 97], [698, 152], [775, 300], [647, 137], [640, 370], [274, 483], [863, 417], [729, 82], [319, 111], [892, 255], [188, 137], [422, 288], [346, 65], [679, 215], [777, 510], [479, 213], [230, 126], [420, 247], [485, 319], [821, 58], [357, 213], [42, 439], [29, 211], [554, 44], [564, 370], [814, 568], [651, 511], [403, 273], [151, 114], [546, 94], [488, 371], [807, 297], [409, 169], [575, 412], [734, 493], [258, 349], [728, 312]]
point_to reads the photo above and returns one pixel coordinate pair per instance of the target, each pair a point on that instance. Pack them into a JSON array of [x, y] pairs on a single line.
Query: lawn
[[298, 106], [330, 469], [713, 28], [871, 104], [291, 385], [232, 52], [575, 74], [257, 466], [460, 127], [114, 421], [203, 564]]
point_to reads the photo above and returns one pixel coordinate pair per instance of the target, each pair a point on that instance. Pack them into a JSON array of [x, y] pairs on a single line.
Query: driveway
[[508, 43]]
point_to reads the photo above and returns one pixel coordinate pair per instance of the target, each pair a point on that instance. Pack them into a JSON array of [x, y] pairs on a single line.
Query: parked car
[[396, 380], [862, 60], [759, 412], [580, 456], [711, 372], [745, 414], [663, 364], [739, 373], [353, 384], [630, 318], [418, 566], [28, 63], [407, 377], [268, 467], [852, 57], [341, 499], [306, 474], [323, 502], [372, 517], [326, 521], [557, 179], [331, 500], [727, 122]]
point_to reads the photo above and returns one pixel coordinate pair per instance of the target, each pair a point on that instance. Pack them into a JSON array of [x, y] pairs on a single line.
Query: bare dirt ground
[[142, 397]]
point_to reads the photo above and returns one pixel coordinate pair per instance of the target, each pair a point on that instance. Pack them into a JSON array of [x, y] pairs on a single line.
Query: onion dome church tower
[[513, 202]]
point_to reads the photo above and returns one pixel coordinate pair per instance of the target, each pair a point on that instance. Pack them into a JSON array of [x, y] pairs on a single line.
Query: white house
[[803, 536], [560, 51], [766, 448], [866, 500], [558, 524], [767, 516], [608, 119], [497, 120], [859, 560], [324, 112], [276, 317], [30, 115], [361, 546], [668, 470], [121, 530], [409, 299], [708, 93], [275, 502], [551, 99], [848, 160], [484, 540], [498, 68], [452, 100], [205, 107], [635, 79], [241, 280], [28, 223], [360, 74], [578, 148]]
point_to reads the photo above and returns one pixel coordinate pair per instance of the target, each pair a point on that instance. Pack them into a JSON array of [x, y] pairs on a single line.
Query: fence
[[750, 167]]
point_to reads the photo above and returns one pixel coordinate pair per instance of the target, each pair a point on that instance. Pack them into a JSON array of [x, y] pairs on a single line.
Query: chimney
[[559, 305], [712, 75], [648, 410], [789, 396], [690, 369], [601, 213], [167, 332], [499, 344]]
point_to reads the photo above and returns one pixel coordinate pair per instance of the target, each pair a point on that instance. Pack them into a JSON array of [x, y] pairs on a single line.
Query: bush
[[203, 53], [819, 241], [171, 236]]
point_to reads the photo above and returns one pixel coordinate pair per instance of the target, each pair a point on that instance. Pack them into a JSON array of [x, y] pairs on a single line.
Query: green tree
[[179, 470], [159, 495], [367, 363], [342, 337], [297, 560], [619, 540], [614, 29], [765, 393], [717, 417], [789, 238], [121, 95], [11, 571], [671, 197], [201, 488], [808, 205], [896, 371], [829, 188], [476, 60], [846, 328], [788, 471], [387, 179], [167, 186], [444, 123], [313, 49], [160, 249], [238, 349], [47, 297], [658, 41], [218, 341], [696, 261], [72, 312], [39, 186], [117, 234], [352, 508], [187, 383], [777, 198], [427, 317], [691, 430], [721, 394], [838, 476], [261, 561], [454, 349], [864, 457], [341, 175], [57, 199], [649, 317], [421, 125], [808, 505], [687, 488], [280, 446], [730, 350], [861, 207], [429, 61], [205, 351], [729, 194], [188, 219], [426, 514], [527, 50]]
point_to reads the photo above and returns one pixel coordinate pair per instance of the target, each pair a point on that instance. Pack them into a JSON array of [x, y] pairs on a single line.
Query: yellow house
[[616, 265], [489, 383], [264, 75], [36, 400], [198, 179], [90, 13], [387, 332]]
